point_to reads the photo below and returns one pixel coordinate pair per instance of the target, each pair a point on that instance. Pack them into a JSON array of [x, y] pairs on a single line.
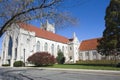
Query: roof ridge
[[91, 39], [52, 33], [43, 33], [90, 44]]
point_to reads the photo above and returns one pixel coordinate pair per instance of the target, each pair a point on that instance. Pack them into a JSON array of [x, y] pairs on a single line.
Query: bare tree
[[14, 11]]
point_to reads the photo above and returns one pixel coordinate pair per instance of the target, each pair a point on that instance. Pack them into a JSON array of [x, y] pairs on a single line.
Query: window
[[15, 53], [46, 47], [3, 54], [87, 55], [17, 40], [52, 49], [10, 44], [66, 48], [4, 44], [94, 55], [58, 48], [80, 55], [38, 46], [63, 49]]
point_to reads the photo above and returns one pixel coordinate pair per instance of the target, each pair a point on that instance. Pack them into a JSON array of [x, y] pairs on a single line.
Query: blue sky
[[91, 20], [90, 15]]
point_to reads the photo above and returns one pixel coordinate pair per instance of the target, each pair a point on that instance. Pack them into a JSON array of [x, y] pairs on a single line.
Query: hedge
[[18, 64], [5, 64], [98, 62]]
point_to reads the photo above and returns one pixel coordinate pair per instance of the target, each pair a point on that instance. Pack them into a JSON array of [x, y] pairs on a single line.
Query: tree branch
[[9, 22]]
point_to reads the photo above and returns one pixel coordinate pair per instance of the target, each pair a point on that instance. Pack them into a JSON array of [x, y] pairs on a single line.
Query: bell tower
[[48, 27]]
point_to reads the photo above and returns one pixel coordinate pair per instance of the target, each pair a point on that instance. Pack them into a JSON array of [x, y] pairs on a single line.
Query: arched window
[[63, 49], [10, 44], [17, 40], [70, 48], [4, 44], [58, 48], [52, 49], [3, 54], [38, 46], [15, 53], [46, 47]]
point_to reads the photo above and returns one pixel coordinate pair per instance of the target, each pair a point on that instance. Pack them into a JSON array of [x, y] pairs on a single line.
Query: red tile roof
[[44, 34], [90, 44]]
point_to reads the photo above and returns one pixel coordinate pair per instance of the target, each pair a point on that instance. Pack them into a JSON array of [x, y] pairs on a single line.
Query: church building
[[21, 40]]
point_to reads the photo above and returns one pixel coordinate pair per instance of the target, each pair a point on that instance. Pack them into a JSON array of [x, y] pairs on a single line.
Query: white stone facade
[[89, 55], [19, 44]]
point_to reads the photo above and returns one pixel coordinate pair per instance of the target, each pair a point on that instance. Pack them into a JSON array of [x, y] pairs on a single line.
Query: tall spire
[[47, 22], [74, 35], [41, 24]]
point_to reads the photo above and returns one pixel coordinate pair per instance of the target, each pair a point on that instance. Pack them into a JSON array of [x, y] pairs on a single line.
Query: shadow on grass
[[105, 65]]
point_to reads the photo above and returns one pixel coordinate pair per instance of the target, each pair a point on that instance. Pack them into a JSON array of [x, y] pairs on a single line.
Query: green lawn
[[77, 66]]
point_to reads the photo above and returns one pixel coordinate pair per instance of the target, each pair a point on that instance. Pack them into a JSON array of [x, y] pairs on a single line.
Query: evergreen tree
[[60, 58], [109, 44]]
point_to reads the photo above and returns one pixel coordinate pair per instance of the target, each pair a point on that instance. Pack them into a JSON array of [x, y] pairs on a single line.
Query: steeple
[[74, 35], [47, 22]]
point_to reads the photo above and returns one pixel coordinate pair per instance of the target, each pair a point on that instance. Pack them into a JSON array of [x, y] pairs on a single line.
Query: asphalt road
[[50, 74]]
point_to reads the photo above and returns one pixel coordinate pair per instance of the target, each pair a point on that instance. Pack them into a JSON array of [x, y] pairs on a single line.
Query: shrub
[[97, 62], [41, 59], [5, 64], [118, 65], [60, 58], [18, 64]]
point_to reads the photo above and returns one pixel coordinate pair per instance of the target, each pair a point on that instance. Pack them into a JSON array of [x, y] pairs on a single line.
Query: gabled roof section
[[90, 44], [43, 34]]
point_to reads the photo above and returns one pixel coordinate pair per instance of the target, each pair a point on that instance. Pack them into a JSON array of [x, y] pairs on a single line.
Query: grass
[[77, 66]]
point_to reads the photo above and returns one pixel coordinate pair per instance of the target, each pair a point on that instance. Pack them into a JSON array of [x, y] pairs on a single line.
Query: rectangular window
[[87, 55], [80, 54], [94, 55]]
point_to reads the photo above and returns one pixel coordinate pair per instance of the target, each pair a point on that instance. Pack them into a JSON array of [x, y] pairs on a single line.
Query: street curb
[[63, 69], [83, 70]]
